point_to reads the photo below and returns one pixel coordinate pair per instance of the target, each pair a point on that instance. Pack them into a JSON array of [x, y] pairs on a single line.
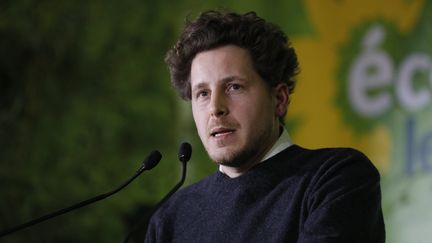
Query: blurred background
[[85, 96]]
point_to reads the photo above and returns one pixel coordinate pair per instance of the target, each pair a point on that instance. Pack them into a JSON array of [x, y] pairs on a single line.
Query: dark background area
[[84, 97]]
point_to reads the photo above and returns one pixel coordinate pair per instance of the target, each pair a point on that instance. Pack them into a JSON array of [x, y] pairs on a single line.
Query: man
[[238, 72]]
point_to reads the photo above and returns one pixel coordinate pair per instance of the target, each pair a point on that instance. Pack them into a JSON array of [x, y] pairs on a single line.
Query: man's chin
[[228, 159], [234, 157]]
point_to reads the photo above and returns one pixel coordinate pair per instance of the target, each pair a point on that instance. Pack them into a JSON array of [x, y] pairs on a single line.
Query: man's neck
[[283, 142]]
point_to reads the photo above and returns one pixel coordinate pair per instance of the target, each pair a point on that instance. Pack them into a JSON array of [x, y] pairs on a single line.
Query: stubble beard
[[249, 154]]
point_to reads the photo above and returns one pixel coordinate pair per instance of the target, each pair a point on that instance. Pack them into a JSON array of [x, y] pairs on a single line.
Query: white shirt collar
[[282, 143]]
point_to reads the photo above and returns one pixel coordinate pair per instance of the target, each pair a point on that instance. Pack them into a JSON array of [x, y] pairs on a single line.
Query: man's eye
[[235, 87], [202, 94]]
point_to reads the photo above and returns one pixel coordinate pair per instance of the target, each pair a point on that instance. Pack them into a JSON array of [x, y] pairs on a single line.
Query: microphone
[[184, 155], [149, 163], [185, 152]]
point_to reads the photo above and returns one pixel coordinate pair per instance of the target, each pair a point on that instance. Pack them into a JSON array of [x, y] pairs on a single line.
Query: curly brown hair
[[272, 56]]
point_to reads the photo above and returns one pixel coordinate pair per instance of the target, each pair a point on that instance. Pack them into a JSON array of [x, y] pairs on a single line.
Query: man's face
[[236, 115]]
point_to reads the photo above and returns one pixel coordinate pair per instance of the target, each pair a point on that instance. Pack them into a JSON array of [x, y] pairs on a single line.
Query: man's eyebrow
[[232, 78], [199, 86], [225, 80]]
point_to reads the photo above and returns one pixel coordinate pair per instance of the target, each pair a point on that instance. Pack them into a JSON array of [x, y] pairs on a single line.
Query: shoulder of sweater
[[338, 174], [327, 161]]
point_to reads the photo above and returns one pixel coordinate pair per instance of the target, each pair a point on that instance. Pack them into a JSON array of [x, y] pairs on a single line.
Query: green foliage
[[84, 96]]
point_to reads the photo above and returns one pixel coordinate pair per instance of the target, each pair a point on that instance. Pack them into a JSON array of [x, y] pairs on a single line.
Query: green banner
[[366, 82]]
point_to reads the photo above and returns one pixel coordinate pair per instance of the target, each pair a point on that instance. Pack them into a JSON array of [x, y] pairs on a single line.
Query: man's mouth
[[218, 132]]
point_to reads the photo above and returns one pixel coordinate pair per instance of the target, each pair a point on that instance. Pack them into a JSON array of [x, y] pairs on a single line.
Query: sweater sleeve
[[344, 201], [150, 236]]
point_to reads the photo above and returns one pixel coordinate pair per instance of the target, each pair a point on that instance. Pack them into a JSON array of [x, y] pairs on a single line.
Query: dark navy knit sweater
[[298, 195]]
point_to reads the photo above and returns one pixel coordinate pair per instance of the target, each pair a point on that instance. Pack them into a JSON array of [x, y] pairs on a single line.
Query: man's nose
[[218, 105]]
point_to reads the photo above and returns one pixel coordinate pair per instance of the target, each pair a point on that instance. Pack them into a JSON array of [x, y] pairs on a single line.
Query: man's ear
[[281, 95]]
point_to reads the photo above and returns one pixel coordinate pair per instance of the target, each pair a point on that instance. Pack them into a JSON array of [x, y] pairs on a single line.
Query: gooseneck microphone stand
[[184, 156], [151, 161]]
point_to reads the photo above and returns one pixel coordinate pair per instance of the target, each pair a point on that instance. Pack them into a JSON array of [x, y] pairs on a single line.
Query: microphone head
[[185, 152], [152, 160]]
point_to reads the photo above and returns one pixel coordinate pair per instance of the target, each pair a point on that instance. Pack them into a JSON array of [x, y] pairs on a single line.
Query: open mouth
[[221, 132]]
